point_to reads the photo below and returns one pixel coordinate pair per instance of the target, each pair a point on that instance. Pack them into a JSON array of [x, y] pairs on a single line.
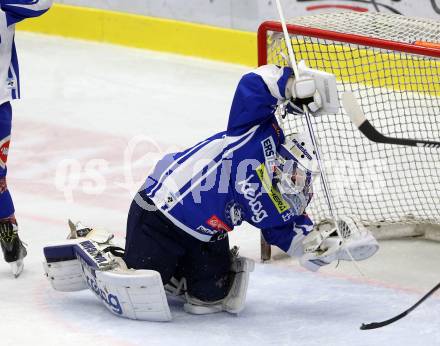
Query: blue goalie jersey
[[224, 180]]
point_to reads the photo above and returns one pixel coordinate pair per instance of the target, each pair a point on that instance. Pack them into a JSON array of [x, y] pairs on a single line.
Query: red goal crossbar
[[425, 48]]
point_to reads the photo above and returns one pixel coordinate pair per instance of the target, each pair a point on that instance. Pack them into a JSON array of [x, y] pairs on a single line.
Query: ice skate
[[13, 248]]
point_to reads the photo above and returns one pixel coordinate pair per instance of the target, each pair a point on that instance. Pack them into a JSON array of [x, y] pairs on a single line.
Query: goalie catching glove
[[321, 247], [315, 89]]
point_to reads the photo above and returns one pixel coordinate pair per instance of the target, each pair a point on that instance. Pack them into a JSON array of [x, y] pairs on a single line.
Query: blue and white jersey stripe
[[184, 177], [12, 12], [182, 167]]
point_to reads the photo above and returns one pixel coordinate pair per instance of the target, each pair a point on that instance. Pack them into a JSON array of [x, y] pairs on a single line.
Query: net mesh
[[389, 27], [400, 95]]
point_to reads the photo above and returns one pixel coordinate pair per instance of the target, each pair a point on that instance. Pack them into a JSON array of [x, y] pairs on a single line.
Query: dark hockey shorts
[[153, 242]]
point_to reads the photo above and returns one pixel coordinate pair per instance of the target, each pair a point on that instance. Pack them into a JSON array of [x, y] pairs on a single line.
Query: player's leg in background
[[6, 204], [13, 249], [151, 242]]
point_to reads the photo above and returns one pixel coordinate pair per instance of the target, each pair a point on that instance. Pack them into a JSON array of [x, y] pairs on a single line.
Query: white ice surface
[[87, 103]]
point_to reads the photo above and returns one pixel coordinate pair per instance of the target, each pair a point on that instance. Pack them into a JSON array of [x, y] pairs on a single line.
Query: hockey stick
[[374, 325], [325, 185], [357, 116]]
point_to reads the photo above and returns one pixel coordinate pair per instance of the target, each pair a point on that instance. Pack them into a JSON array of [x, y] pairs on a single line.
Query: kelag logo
[[109, 299], [252, 196]]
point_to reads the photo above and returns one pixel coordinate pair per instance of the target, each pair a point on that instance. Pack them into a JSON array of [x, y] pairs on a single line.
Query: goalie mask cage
[[391, 63]]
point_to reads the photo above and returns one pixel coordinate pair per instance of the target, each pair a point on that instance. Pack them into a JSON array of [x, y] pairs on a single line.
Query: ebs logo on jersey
[[269, 149]]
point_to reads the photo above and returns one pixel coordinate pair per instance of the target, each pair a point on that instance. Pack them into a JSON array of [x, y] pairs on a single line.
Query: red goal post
[[392, 64], [418, 47]]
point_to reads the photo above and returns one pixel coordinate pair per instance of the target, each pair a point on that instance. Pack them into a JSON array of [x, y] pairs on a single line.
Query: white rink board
[[247, 15]]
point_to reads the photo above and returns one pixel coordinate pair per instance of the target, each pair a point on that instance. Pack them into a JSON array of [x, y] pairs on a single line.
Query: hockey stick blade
[[357, 116], [374, 325]]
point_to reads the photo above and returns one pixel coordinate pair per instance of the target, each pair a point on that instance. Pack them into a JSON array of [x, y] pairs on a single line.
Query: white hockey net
[[392, 65]]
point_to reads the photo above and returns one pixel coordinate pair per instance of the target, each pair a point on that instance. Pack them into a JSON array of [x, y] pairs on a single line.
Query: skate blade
[[202, 310], [17, 267]]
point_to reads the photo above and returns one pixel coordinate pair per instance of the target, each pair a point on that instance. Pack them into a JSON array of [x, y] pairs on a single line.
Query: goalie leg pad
[[236, 298], [62, 267], [65, 276], [234, 302], [134, 294], [129, 293]]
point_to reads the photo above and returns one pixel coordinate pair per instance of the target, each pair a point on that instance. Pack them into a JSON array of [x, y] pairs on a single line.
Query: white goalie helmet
[[295, 171]]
